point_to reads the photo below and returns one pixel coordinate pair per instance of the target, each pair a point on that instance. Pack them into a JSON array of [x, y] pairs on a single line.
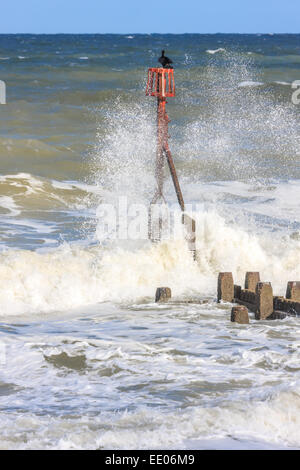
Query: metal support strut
[[161, 84]]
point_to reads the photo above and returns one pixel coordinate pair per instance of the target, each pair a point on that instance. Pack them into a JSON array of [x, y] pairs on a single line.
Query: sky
[[153, 16]]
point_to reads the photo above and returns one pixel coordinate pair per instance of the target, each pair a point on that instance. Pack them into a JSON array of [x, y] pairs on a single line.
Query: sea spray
[[74, 276]]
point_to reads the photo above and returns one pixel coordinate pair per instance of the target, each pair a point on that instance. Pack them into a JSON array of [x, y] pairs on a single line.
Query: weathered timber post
[[264, 300], [225, 287], [239, 314], [293, 291], [289, 306], [251, 280], [163, 294], [237, 291]]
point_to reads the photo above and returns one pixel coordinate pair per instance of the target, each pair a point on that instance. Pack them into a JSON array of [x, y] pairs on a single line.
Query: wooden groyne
[[164, 294], [256, 297]]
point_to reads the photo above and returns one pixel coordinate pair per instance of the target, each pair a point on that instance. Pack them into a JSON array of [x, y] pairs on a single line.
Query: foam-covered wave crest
[[27, 191], [271, 424], [72, 276]]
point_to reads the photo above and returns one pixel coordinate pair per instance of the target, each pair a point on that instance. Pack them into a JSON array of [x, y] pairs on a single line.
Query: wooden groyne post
[[258, 296], [163, 294]]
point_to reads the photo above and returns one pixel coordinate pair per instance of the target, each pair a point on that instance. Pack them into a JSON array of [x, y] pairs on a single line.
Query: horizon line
[[149, 34]]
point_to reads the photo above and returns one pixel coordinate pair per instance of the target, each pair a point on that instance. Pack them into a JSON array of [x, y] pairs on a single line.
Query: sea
[[88, 360]]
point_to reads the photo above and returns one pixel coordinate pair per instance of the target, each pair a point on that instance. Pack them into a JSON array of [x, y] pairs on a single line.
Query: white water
[[73, 276], [209, 383], [87, 359], [82, 322]]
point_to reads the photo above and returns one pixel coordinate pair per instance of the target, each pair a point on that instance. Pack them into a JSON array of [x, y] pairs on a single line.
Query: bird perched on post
[[165, 61]]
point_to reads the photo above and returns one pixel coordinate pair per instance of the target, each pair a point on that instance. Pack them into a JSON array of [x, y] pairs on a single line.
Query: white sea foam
[[282, 83], [70, 277], [215, 51], [7, 203], [262, 425], [249, 83], [238, 384]]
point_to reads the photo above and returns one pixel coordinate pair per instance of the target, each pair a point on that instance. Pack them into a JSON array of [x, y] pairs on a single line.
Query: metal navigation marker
[[162, 85]]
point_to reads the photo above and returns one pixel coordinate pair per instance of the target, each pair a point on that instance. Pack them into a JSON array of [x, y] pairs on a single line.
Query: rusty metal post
[[164, 86]]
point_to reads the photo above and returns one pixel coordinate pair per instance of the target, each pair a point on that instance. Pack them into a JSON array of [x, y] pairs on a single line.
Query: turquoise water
[[87, 359]]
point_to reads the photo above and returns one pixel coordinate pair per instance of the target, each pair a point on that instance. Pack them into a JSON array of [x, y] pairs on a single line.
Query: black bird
[[165, 61]]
